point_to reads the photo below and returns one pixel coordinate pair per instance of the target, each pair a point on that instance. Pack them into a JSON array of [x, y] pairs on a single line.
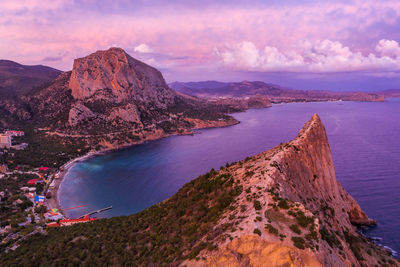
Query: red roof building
[[68, 222], [33, 181]]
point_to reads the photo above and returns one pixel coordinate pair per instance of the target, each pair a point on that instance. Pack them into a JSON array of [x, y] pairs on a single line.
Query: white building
[[5, 141]]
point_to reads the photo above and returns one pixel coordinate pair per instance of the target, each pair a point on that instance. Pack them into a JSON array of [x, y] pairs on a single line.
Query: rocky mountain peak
[[115, 76], [291, 205]]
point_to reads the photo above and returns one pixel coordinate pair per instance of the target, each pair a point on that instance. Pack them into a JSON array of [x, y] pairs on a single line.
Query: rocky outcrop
[[117, 77], [292, 212], [252, 250], [78, 113], [111, 98]]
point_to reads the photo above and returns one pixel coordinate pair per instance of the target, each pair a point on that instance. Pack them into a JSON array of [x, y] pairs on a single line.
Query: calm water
[[364, 138]]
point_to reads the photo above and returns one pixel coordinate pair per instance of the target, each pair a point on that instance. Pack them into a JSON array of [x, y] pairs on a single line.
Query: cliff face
[[117, 77], [293, 211]]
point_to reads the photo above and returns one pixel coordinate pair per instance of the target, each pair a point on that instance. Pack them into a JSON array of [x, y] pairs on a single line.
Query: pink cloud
[[45, 29], [321, 56]]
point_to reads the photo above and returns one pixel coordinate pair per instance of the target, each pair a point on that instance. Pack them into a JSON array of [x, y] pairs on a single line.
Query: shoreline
[[54, 201]]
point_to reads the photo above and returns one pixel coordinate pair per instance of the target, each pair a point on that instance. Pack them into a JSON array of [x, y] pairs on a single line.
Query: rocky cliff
[[282, 207], [293, 211], [119, 78], [111, 99]]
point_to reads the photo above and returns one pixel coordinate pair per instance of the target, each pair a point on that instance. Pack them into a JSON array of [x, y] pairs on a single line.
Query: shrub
[[303, 220], [257, 231], [329, 237], [295, 228], [298, 242], [283, 204], [271, 229], [257, 205]]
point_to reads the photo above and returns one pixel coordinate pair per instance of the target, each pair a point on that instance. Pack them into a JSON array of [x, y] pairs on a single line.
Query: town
[[27, 200]]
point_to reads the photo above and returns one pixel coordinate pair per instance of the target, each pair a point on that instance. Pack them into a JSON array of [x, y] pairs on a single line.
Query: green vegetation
[[355, 245], [283, 204], [271, 229], [303, 220], [295, 228], [298, 242], [257, 205], [164, 234], [257, 231], [329, 237]]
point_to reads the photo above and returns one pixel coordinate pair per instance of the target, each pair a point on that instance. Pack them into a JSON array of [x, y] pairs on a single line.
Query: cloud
[[33, 30], [143, 48], [52, 59], [21, 5], [388, 48], [321, 56]]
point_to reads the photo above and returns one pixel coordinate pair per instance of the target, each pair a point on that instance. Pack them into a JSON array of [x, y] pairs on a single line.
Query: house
[[15, 133], [3, 168], [20, 146], [39, 199], [33, 181], [5, 141], [24, 189]]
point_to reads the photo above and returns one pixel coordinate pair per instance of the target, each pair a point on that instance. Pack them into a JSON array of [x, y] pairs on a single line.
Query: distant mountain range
[[276, 93], [17, 79], [111, 95]]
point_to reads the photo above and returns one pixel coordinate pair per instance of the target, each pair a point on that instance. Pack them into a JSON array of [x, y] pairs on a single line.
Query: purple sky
[[343, 45]]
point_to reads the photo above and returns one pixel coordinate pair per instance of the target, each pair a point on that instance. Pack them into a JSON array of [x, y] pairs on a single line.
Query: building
[[5, 141], [15, 133], [33, 181], [20, 146], [3, 168]]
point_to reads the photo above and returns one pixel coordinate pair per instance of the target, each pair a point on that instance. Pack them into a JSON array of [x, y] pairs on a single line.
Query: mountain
[[275, 93], [197, 85], [17, 79], [282, 207], [110, 99], [391, 93]]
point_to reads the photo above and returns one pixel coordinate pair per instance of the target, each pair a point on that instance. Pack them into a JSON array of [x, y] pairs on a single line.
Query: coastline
[[54, 202]]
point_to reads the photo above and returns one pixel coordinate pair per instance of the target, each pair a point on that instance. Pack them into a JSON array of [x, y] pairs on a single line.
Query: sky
[[304, 44]]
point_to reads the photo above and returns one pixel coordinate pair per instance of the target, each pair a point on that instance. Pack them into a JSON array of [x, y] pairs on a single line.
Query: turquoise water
[[364, 139]]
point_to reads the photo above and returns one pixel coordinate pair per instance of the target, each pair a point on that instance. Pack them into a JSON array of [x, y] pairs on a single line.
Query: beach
[[53, 202]]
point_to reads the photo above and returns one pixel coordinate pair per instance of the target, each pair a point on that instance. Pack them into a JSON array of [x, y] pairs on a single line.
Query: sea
[[364, 138]]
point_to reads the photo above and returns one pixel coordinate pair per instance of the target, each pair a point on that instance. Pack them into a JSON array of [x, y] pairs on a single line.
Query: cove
[[364, 139]]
